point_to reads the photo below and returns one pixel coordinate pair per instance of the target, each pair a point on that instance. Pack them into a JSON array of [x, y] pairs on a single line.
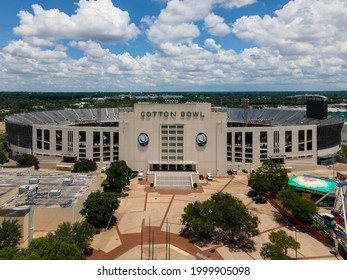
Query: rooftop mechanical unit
[[34, 181], [54, 193], [23, 189], [67, 181]]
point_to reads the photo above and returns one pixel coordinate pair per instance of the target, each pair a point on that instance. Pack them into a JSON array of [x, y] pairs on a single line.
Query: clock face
[[201, 139], [143, 139]]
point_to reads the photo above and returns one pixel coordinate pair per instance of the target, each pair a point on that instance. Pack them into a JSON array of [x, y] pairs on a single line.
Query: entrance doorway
[[162, 166]]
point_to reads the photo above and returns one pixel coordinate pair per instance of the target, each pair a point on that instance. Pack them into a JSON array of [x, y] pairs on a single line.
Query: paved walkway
[[153, 212]]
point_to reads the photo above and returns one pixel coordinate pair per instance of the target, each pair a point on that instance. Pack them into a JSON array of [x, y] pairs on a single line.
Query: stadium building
[[182, 137]]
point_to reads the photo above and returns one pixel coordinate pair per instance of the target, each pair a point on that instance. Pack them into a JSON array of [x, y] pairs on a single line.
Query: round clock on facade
[[201, 139], [143, 139]]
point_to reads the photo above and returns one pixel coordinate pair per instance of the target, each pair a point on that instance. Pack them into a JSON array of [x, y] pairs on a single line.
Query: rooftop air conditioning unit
[[34, 180], [54, 193], [67, 181]]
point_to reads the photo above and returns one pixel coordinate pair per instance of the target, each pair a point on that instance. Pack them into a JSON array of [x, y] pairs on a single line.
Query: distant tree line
[[18, 102]]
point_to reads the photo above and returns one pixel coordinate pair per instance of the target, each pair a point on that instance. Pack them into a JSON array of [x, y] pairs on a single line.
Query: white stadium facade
[[182, 137]]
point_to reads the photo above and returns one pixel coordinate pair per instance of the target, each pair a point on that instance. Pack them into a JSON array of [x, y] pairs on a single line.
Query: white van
[[140, 176], [103, 169], [209, 177]]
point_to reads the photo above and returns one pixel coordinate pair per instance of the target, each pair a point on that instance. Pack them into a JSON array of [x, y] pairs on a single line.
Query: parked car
[[232, 172], [288, 221], [253, 193], [260, 200], [133, 174], [259, 196], [126, 189], [245, 171], [103, 169], [123, 194]]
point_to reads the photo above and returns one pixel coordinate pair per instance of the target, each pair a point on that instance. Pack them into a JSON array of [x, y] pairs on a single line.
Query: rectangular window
[[309, 140], [288, 140], [229, 138], [229, 146], [301, 140], [301, 137], [70, 141], [58, 140], [276, 146], [106, 139], [96, 138], [46, 139], [39, 139], [263, 145], [171, 137], [238, 138], [115, 138]]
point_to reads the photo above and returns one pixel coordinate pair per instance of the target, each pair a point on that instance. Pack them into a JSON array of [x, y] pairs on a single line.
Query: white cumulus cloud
[[179, 14], [97, 20], [211, 44], [301, 46], [216, 25]]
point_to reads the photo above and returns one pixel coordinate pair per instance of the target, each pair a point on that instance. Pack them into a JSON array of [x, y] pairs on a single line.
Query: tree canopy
[[223, 215], [99, 207], [84, 166], [118, 175], [68, 242], [10, 233], [269, 177], [51, 248], [3, 156], [301, 208], [80, 234], [28, 160], [277, 248]]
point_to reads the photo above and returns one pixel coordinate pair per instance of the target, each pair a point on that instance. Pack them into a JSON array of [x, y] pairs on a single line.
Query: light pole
[[296, 240]]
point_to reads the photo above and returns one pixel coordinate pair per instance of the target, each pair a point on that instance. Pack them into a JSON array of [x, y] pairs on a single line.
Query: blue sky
[[173, 45]]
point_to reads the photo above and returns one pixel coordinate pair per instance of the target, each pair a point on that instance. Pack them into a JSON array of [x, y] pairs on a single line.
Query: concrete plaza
[[154, 212]]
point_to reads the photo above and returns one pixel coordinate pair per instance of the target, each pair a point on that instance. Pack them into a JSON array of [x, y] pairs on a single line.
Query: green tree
[[80, 233], [99, 207], [10, 233], [270, 251], [222, 215], [3, 156], [118, 176], [28, 160], [301, 208], [279, 240], [288, 198], [343, 151], [8, 253], [198, 217], [233, 217], [270, 177], [51, 248], [84, 166]]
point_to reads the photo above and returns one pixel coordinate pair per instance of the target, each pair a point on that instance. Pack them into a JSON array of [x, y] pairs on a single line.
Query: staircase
[[173, 181]]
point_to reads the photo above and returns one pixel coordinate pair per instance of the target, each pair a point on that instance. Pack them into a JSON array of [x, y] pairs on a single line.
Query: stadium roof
[[273, 117], [279, 117]]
